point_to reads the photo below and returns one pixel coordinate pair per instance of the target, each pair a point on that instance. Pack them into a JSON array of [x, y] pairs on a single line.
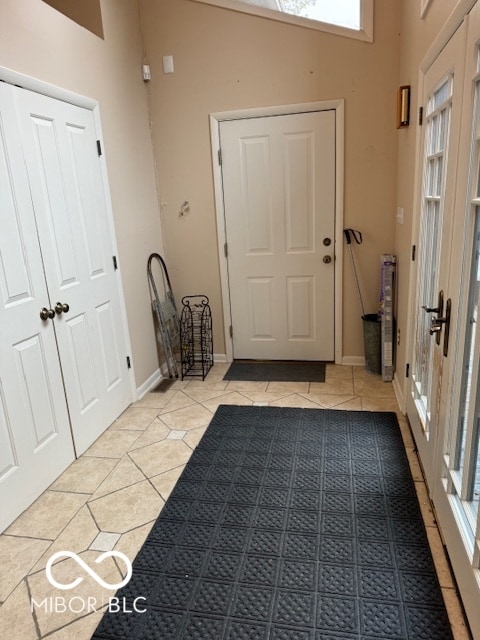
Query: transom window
[[351, 18]]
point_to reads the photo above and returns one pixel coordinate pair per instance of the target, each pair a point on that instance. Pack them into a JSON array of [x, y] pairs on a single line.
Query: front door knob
[[62, 308], [46, 314], [327, 259]]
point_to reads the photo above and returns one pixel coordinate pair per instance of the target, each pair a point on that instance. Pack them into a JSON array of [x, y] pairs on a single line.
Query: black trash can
[[372, 334]]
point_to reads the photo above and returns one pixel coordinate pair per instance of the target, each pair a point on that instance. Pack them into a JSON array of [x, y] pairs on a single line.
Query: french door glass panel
[[462, 464], [435, 149]]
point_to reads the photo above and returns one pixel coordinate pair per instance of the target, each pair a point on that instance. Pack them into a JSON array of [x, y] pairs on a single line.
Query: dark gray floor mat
[[288, 524]]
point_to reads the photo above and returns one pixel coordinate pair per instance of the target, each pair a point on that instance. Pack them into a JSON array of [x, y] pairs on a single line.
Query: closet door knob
[[46, 314], [62, 308]]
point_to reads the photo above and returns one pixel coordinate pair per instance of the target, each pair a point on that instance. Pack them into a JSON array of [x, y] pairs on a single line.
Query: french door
[[456, 490], [444, 400], [442, 99]]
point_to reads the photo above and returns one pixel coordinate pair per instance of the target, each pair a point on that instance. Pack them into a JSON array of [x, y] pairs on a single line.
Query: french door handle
[[446, 335], [437, 325], [438, 309]]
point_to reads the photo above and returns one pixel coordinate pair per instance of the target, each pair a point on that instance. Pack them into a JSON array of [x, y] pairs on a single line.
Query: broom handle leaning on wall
[[358, 239]]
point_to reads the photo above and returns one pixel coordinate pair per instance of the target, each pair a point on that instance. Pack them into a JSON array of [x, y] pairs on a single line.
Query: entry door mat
[[287, 524], [276, 371]]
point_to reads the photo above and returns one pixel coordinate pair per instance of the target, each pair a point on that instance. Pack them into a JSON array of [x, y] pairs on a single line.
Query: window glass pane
[[442, 129], [467, 397], [433, 140], [438, 189], [476, 478], [344, 13], [441, 95], [429, 190], [348, 18]]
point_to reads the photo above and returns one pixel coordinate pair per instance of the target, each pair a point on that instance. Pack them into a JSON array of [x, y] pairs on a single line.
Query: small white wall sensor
[[147, 75], [168, 64]]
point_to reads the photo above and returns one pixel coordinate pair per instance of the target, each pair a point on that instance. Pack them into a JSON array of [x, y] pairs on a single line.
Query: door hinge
[[225, 249], [420, 116], [99, 147], [231, 331], [115, 264], [407, 370], [414, 252], [129, 364], [220, 157]]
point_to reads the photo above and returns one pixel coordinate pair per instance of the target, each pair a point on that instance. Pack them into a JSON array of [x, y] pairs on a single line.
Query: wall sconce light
[[403, 106]]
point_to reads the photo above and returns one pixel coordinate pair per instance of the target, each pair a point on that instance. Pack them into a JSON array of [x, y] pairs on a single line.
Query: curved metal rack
[[196, 337]]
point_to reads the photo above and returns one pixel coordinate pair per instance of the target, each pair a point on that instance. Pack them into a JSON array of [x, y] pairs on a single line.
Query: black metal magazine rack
[[196, 336]]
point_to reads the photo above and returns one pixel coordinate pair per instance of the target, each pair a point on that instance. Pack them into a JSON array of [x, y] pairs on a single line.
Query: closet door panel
[[70, 203], [35, 437]]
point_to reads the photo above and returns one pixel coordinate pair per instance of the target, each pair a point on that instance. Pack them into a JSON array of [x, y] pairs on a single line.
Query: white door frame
[[39, 86], [281, 110]]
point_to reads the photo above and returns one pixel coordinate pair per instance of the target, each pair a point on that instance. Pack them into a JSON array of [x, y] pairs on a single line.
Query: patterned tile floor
[[109, 498]]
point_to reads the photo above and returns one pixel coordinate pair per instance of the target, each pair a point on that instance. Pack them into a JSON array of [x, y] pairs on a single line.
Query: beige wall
[[417, 36], [228, 60], [38, 41], [88, 13], [225, 60]]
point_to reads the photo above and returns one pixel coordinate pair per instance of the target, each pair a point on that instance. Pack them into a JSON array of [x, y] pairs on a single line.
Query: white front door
[[59, 143], [35, 437], [279, 200]]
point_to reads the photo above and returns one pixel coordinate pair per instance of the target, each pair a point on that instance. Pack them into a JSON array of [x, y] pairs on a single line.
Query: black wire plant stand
[[196, 336]]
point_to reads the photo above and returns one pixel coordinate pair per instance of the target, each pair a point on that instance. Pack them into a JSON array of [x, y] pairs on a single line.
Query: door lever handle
[[438, 309], [436, 326], [446, 336]]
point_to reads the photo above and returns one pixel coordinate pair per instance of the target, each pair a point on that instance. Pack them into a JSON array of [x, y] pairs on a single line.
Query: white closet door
[[35, 438], [59, 143]]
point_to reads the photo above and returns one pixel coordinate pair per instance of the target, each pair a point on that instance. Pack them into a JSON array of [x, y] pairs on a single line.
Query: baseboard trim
[[149, 383], [399, 394]]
